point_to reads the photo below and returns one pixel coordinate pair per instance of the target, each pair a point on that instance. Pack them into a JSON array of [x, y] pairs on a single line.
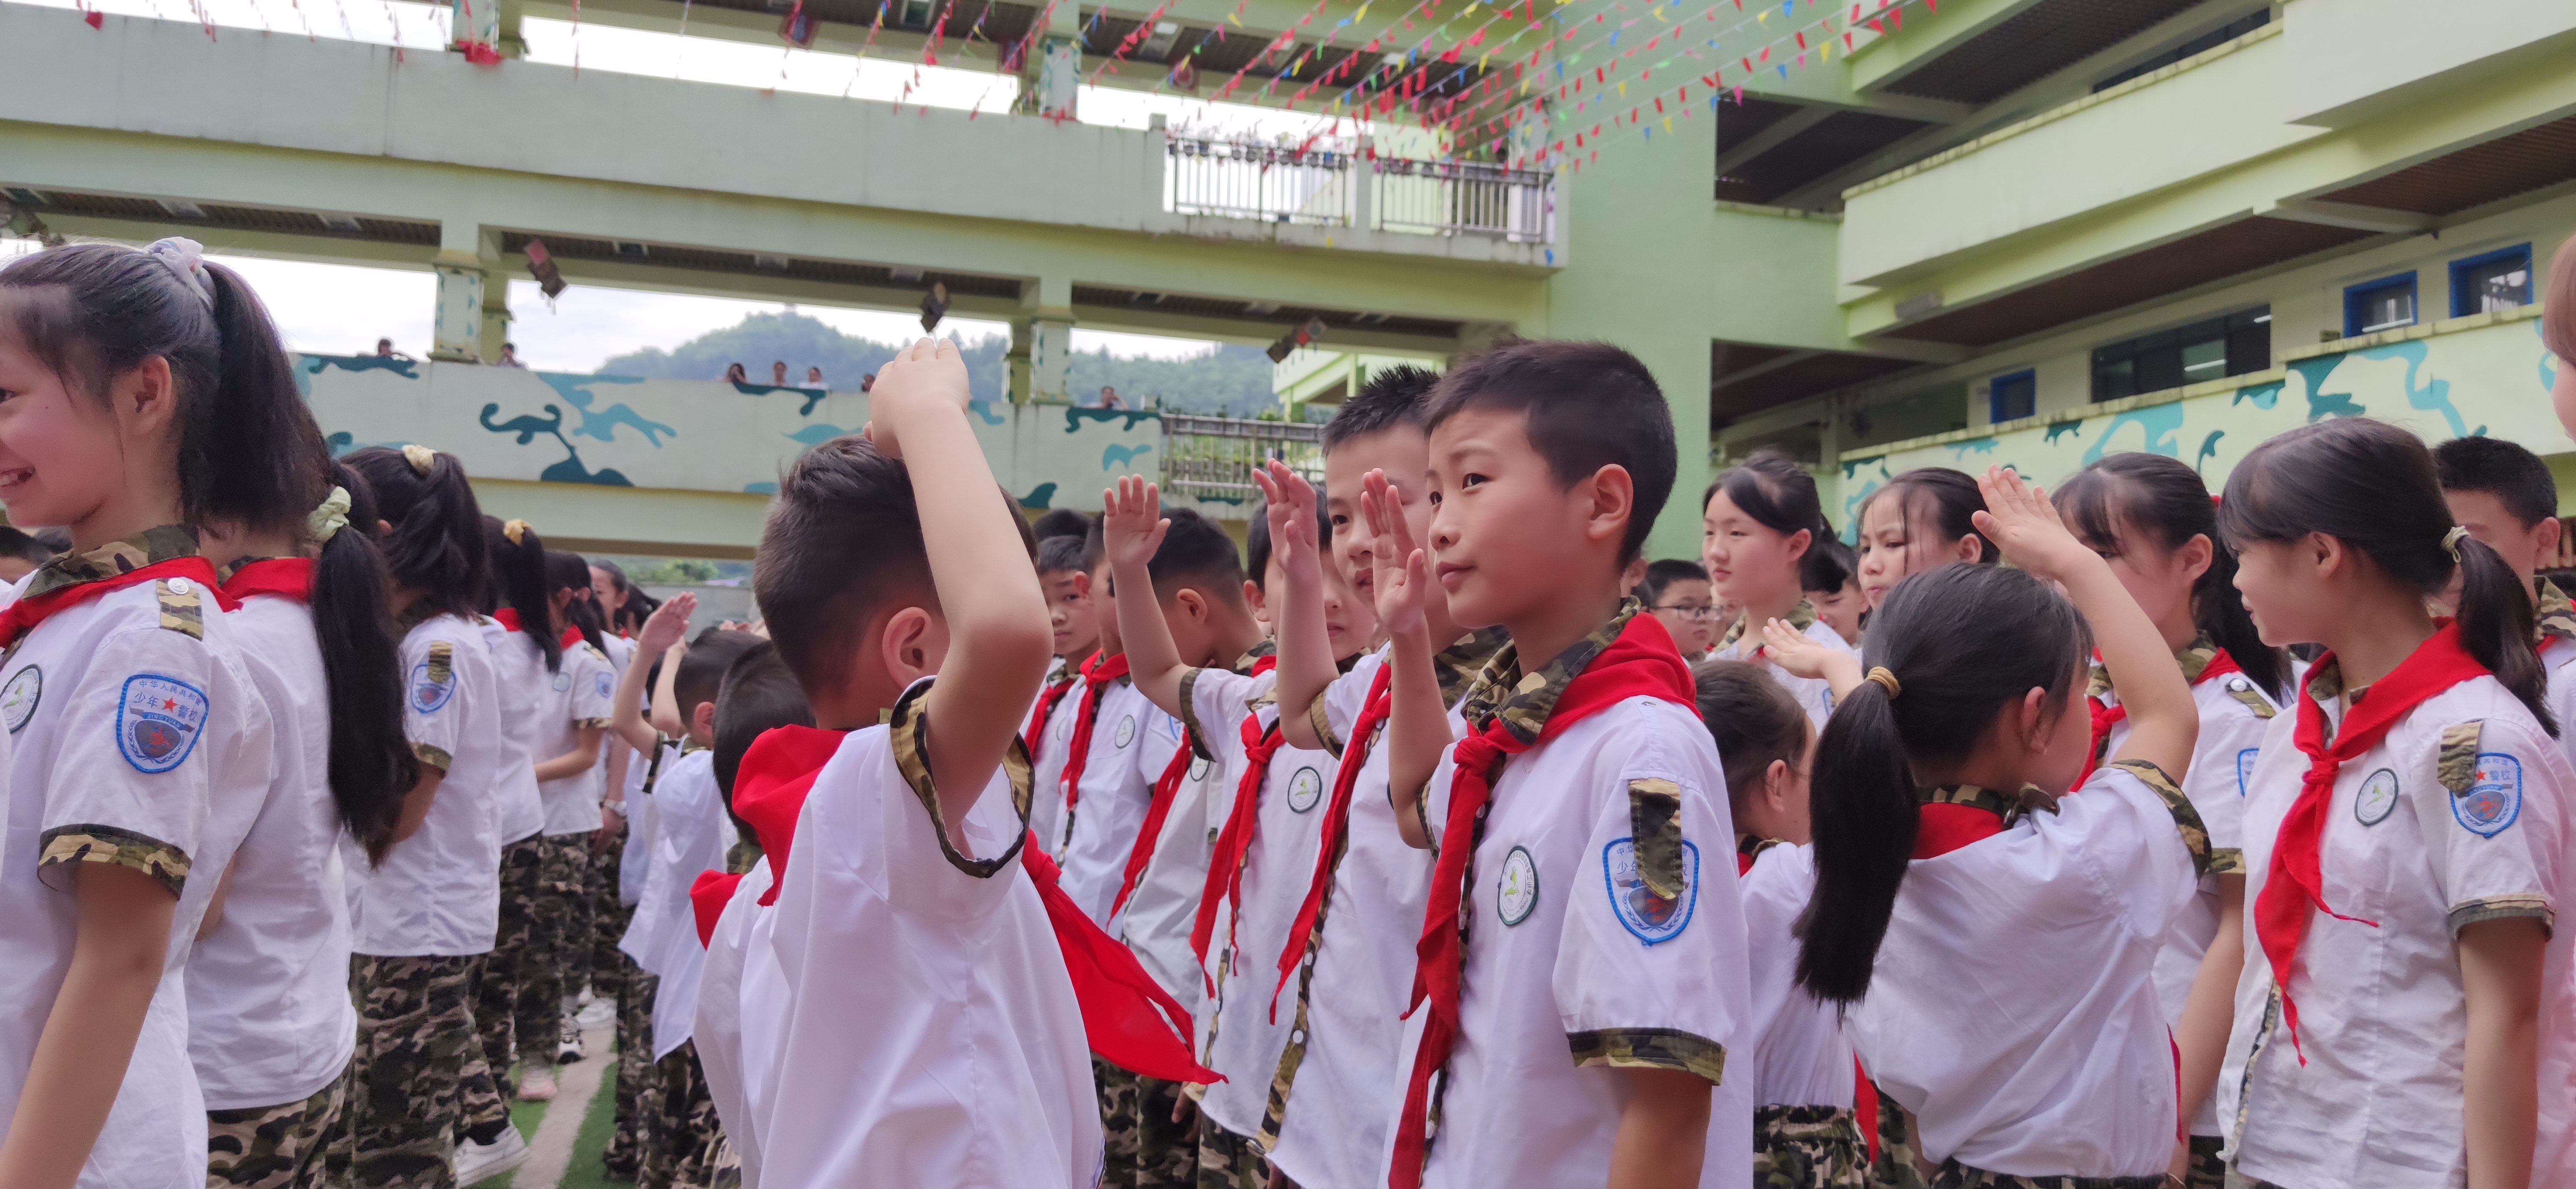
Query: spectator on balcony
[[384, 348], [510, 356], [814, 379], [735, 374], [868, 382], [778, 373], [1109, 398]]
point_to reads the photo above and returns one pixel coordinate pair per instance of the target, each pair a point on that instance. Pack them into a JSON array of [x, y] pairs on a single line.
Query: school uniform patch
[[600, 681], [1126, 733], [2245, 769], [1516, 889], [158, 721], [431, 688], [2494, 799], [1652, 918], [563, 681], [2378, 795], [19, 698], [1305, 790], [1198, 769]]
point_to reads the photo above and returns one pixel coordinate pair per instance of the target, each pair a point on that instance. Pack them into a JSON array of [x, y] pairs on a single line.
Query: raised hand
[[1402, 572], [1799, 656], [1289, 501], [1131, 522], [926, 377], [2020, 521], [666, 626]]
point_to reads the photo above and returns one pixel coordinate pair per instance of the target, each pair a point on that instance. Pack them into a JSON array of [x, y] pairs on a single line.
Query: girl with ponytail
[[526, 653], [1992, 938], [2405, 851], [142, 395], [425, 917], [1922, 520], [1760, 531]]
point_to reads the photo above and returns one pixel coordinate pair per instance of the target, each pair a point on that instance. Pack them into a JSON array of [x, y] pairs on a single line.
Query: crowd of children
[[2120, 836]]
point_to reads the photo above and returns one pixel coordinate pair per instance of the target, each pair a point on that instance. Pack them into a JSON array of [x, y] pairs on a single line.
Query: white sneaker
[[568, 1046], [482, 1162], [538, 1085], [600, 1013]]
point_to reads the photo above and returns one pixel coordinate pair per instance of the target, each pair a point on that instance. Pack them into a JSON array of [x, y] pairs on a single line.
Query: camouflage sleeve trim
[[2458, 765], [1189, 716], [181, 613], [587, 723], [2497, 908], [1323, 722], [442, 661], [166, 864], [434, 756], [1655, 821], [909, 730], [1651, 1048], [2226, 860], [2195, 835]]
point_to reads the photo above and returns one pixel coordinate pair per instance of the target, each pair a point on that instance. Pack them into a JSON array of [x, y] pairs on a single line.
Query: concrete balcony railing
[[1351, 187]]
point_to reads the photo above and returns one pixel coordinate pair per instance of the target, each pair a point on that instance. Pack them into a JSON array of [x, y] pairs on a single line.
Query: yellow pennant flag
[[1763, 17], [1623, 89], [1234, 20], [1361, 15], [1668, 123]]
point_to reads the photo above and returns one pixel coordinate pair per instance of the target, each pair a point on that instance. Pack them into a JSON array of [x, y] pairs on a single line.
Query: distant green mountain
[[1230, 379]]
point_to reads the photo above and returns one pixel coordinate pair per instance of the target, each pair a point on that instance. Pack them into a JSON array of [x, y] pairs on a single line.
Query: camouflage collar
[[2325, 682], [2555, 615], [149, 547], [2010, 807], [224, 573], [2195, 659], [1460, 664], [1267, 647], [1523, 702], [1800, 617]]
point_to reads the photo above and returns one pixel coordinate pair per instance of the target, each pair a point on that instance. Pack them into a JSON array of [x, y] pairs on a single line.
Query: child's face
[[2160, 579], [62, 455], [1889, 554], [2285, 590], [1748, 562], [2527, 550], [1104, 604], [1689, 612], [603, 587], [1841, 609], [1069, 611], [1504, 525], [1350, 621], [1405, 455], [2069, 738]]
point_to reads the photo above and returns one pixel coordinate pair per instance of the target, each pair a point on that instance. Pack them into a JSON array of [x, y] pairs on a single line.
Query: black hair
[[519, 582], [1062, 555], [759, 693], [1661, 575], [1781, 496], [2506, 470], [1963, 642], [1944, 500], [1196, 553], [1588, 405], [436, 543], [2373, 487], [1753, 719], [1061, 522], [1393, 396], [18, 544], [567, 571], [58, 540], [2165, 497], [703, 668], [249, 451], [371, 762], [1828, 566], [1256, 543]]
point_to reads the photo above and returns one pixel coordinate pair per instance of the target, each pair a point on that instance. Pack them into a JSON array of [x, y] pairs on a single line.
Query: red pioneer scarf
[[1097, 673], [1167, 789], [23, 615], [509, 621], [284, 577], [1234, 842], [2106, 717], [1337, 822], [1642, 662], [1047, 698], [2296, 883]]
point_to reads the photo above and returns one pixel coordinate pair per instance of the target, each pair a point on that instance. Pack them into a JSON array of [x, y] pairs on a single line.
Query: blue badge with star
[[158, 720], [2494, 798], [430, 691], [1653, 919]]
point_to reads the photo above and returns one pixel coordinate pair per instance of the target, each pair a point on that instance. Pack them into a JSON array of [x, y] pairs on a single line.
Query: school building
[[1963, 231]]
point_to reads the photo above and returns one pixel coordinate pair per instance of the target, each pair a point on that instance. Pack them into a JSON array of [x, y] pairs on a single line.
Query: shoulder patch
[[433, 681], [1655, 821], [2494, 797], [2458, 766], [158, 720], [1652, 918], [181, 608], [601, 683], [2242, 689], [19, 698]]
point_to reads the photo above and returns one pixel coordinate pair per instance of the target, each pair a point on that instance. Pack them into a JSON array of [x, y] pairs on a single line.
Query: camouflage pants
[[1808, 1147], [609, 966], [2207, 1171], [635, 1070], [276, 1147], [725, 1172], [682, 1133], [504, 974], [1955, 1175], [1895, 1167], [1144, 1149], [562, 926], [1229, 1161], [419, 1077]]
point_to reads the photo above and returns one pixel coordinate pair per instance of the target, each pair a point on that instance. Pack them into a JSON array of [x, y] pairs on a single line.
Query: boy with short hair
[[1064, 573], [1074, 613], [1572, 1035], [1678, 593], [1104, 787], [930, 1033], [1348, 952]]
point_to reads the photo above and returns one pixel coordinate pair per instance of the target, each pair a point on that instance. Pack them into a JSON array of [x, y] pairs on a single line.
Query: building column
[[456, 332], [496, 310], [1051, 77], [1040, 361], [513, 45]]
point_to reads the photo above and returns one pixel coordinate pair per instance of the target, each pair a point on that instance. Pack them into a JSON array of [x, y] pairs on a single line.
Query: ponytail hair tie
[[186, 259], [512, 530], [1885, 680], [421, 458], [328, 519], [2451, 541]]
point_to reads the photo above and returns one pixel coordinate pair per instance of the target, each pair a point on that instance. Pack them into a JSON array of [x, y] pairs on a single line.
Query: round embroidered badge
[[18, 699], [1198, 769], [1126, 731], [1305, 790], [2377, 797], [563, 681], [1516, 890]]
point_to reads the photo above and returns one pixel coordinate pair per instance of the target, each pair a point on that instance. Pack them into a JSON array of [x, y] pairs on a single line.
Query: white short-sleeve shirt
[[574, 696], [741, 1011], [1164, 907], [438, 892], [1799, 1056], [1573, 966], [1117, 789], [144, 746], [1813, 695], [931, 1036], [2013, 1007], [1052, 740], [2382, 1020], [695, 833], [269, 1016], [520, 669], [663, 913]]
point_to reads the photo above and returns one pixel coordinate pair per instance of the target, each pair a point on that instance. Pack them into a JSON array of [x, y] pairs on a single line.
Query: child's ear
[[1189, 604], [1612, 492], [1254, 598], [147, 397], [911, 646], [702, 721], [1082, 584], [1969, 547], [1775, 787]]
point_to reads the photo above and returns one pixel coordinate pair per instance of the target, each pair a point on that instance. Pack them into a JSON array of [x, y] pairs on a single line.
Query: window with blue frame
[[2374, 306], [2014, 396], [2491, 283]]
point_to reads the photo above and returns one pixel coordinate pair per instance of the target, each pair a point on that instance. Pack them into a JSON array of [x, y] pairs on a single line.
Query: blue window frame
[[2384, 304], [2013, 396], [2492, 282]]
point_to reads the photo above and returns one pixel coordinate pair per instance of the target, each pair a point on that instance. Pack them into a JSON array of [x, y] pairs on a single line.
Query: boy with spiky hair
[[1581, 975], [931, 1034]]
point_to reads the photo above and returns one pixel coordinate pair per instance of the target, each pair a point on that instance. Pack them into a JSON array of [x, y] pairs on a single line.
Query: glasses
[[1689, 611]]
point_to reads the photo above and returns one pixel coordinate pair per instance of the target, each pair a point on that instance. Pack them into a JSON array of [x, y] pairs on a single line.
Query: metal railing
[[1211, 458], [1337, 187], [1271, 183], [1464, 198]]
